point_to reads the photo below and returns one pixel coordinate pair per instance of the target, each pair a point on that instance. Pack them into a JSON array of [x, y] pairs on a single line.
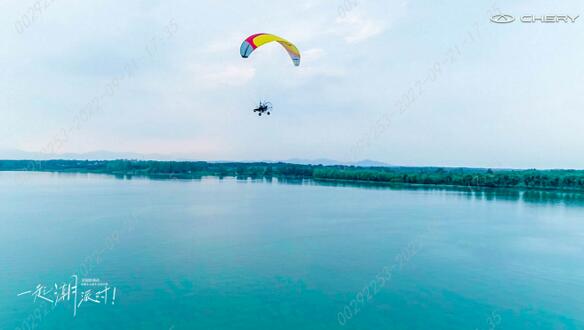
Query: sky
[[421, 83]]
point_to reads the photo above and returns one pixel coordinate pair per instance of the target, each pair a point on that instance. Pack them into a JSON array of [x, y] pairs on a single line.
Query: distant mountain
[[331, 162], [111, 155]]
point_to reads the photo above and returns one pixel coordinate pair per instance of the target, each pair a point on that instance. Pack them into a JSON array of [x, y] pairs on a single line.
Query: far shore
[[554, 180]]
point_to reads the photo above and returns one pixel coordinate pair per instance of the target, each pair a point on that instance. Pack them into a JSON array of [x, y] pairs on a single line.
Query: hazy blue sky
[[485, 94]]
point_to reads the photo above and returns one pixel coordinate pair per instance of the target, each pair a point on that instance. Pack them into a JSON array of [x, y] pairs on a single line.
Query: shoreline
[[318, 180]]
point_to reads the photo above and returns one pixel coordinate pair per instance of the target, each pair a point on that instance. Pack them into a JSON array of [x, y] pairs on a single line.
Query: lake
[[242, 254]]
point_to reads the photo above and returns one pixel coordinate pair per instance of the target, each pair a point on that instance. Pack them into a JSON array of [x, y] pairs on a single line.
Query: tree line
[[469, 177]]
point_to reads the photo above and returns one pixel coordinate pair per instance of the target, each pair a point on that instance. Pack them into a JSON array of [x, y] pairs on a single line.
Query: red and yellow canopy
[[255, 41]]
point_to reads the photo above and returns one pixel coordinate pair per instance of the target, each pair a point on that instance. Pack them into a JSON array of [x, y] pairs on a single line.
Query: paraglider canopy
[[255, 41]]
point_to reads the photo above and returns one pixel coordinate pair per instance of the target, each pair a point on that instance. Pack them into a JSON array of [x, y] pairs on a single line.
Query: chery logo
[[504, 19]]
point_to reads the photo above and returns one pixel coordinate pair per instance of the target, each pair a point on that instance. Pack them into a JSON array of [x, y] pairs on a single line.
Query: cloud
[[360, 28], [349, 68], [315, 63], [224, 45], [222, 76], [313, 54]]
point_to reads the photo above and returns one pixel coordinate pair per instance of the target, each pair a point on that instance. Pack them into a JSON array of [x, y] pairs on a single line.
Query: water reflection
[[545, 197], [574, 198]]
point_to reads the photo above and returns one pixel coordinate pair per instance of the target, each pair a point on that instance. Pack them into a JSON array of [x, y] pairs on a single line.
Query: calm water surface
[[229, 254]]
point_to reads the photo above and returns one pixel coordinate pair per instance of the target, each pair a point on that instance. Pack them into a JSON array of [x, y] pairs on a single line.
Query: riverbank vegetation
[[467, 177]]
